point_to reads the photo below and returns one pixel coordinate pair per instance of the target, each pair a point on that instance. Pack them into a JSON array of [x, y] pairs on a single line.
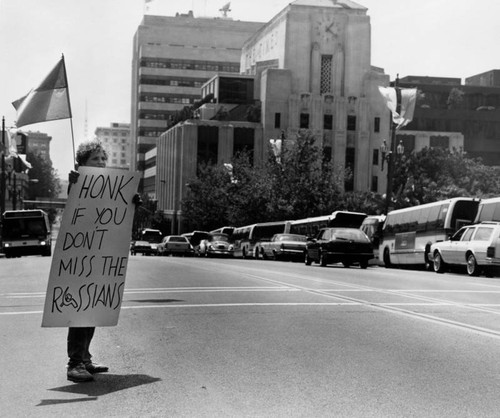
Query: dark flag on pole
[[49, 101]]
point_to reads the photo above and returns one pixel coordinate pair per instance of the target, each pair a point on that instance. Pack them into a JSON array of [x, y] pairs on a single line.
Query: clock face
[[327, 27]]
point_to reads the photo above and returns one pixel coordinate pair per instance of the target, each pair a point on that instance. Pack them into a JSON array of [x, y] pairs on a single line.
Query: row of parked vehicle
[[457, 232]]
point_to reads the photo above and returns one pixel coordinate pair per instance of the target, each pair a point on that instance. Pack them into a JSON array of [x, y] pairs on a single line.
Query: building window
[[328, 122], [350, 156], [277, 120], [374, 184], [325, 84], [375, 157], [327, 154], [208, 144], [304, 120], [439, 141], [376, 125], [351, 123], [243, 141]]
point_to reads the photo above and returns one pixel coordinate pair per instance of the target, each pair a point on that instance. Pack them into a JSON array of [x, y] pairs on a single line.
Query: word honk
[[102, 187]]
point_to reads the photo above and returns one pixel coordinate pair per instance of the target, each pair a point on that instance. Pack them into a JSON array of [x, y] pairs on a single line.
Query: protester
[[80, 366]]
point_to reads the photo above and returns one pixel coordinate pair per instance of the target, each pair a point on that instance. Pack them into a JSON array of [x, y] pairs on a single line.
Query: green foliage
[[438, 173], [297, 185], [44, 180]]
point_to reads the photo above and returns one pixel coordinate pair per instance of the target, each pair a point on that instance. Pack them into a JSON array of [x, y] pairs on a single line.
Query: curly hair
[[85, 149]]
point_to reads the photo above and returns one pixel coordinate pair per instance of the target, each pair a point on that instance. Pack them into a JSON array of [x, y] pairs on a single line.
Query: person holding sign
[[80, 367]]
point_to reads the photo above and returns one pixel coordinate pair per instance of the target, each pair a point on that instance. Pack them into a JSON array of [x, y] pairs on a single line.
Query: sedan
[[216, 245], [477, 247], [339, 245], [141, 247], [282, 246], [175, 244]]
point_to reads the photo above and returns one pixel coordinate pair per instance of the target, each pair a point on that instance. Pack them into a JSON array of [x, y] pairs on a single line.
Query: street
[[252, 338]]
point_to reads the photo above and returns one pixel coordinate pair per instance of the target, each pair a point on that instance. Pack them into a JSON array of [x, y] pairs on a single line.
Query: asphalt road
[[244, 338]]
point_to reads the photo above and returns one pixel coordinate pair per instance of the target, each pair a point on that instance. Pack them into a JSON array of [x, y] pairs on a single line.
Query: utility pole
[[2, 182]]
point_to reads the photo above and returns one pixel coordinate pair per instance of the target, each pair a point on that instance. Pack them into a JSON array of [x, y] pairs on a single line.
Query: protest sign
[[87, 275]]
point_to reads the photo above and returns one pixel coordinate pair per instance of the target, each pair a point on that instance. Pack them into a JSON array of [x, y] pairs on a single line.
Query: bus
[[310, 226], [408, 233], [26, 232], [372, 226], [228, 230], [245, 237], [489, 210]]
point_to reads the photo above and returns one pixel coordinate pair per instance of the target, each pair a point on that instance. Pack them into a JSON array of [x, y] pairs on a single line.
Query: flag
[[401, 102], [49, 101]]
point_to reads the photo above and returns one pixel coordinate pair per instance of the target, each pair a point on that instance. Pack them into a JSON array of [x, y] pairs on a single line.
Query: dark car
[[339, 245], [142, 247]]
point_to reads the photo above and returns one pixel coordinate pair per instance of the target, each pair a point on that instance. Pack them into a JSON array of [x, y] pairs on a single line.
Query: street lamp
[[386, 155]]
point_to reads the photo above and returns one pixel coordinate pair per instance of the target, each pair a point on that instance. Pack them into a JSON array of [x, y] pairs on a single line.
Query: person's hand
[[136, 200], [73, 176]]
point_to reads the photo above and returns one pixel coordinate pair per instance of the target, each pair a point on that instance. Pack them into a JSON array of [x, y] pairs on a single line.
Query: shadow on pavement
[[103, 384]]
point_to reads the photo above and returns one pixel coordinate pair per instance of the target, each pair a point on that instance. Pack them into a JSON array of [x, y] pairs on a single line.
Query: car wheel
[[322, 259], [308, 261], [363, 264], [346, 264], [472, 267], [439, 264]]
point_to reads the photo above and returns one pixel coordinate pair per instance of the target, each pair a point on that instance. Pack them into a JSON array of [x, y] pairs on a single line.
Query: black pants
[[78, 345]]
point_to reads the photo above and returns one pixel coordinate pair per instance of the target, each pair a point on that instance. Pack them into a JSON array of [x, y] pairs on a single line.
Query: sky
[[439, 38]]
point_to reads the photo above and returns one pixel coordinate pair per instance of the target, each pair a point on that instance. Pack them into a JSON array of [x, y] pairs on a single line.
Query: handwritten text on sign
[[89, 265]]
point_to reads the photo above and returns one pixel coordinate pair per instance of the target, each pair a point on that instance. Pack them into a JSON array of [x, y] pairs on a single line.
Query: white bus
[[489, 210], [310, 226], [408, 233], [372, 226], [244, 238]]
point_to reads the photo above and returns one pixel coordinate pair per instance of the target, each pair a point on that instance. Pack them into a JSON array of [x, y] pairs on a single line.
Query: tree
[[304, 182], [43, 181], [437, 173]]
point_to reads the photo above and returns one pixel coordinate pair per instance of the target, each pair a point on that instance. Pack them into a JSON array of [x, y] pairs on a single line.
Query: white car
[[216, 245], [475, 246], [175, 244]]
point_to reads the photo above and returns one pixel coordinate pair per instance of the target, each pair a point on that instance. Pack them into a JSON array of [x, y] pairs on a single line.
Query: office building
[[172, 58], [116, 137]]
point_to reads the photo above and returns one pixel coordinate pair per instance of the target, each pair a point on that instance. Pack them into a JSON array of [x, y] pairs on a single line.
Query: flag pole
[[392, 155], [70, 112]]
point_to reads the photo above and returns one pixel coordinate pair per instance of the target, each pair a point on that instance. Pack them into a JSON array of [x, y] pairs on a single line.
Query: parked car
[[175, 244], [195, 237], [282, 246], [339, 245], [142, 247], [216, 245], [475, 246]]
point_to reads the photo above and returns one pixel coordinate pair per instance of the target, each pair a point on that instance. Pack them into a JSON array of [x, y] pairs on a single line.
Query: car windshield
[[219, 237], [177, 239], [349, 234], [300, 238]]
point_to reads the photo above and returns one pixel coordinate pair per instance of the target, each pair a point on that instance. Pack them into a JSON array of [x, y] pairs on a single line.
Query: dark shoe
[[93, 368], [79, 374]]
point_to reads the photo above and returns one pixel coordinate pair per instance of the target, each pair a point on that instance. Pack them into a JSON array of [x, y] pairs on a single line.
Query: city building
[[116, 137], [311, 72], [446, 106], [38, 143], [172, 58]]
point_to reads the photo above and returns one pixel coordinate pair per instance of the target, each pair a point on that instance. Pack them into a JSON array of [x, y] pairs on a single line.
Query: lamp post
[[386, 155]]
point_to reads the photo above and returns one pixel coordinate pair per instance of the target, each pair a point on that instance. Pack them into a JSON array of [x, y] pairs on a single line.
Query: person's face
[[97, 159]]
